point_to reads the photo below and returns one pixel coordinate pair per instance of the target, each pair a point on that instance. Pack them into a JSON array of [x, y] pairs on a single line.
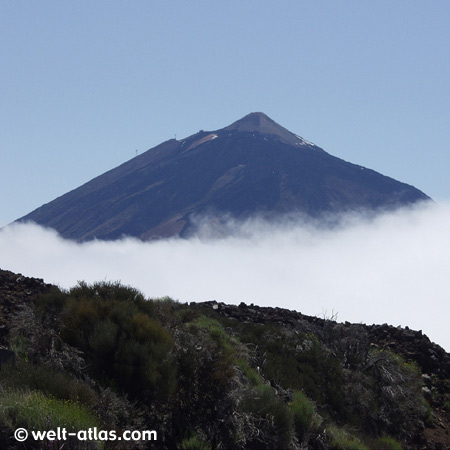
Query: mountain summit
[[263, 124], [253, 166]]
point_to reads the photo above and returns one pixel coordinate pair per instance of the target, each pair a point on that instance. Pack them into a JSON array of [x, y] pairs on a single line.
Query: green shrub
[[339, 439], [225, 347], [250, 373], [305, 417], [214, 327], [103, 340], [106, 291], [146, 328], [52, 301], [19, 345], [384, 397], [195, 443], [49, 381], [36, 411], [429, 415], [298, 360], [447, 405], [262, 403], [185, 314], [166, 309], [313, 369], [125, 346], [80, 318]]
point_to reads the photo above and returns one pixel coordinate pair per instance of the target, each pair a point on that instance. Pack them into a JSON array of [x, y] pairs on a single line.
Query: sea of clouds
[[394, 268]]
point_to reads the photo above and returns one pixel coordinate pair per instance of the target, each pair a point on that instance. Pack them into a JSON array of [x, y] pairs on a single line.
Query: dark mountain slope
[[251, 166]]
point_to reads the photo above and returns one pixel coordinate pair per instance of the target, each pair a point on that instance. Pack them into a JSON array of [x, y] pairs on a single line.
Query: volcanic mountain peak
[[253, 166], [263, 124]]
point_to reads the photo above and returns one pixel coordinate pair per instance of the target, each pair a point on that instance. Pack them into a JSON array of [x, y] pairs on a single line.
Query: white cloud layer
[[393, 269]]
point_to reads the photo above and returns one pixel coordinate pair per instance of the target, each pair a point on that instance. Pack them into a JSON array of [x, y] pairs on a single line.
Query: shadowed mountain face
[[253, 166]]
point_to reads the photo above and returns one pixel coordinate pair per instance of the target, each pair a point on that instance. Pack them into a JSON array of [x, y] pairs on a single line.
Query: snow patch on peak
[[303, 141], [258, 122], [201, 141]]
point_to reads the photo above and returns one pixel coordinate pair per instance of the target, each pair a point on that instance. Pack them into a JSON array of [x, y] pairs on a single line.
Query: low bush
[[225, 347], [125, 345], [107, 291], [447, 405], [306, 419], [250, 373], [195, 443], [339, 439], [262, 403], [297, 361], [51, 382], [52, 301], [35, 411], [428, 415]]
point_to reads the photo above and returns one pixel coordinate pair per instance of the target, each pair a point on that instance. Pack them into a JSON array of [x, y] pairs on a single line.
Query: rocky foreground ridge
[[210, 375]]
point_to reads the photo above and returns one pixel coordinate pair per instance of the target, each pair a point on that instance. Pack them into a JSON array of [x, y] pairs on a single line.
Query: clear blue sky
[[84, 84]]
